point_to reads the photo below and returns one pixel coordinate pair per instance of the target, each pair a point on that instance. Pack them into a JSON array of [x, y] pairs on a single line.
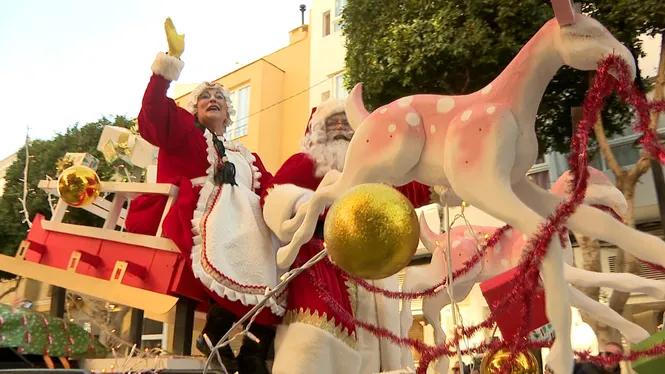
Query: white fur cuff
[[167, 66], [280, 206]]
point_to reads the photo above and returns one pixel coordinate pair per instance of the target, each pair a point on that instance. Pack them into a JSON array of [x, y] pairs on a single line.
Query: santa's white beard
[[329, 156]]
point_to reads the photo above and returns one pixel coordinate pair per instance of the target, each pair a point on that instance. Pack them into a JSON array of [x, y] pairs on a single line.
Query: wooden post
[[183, 328], [58, 300], [136, 327]]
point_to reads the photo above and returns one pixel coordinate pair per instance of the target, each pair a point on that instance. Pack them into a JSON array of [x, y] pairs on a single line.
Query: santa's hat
[[324, 111]]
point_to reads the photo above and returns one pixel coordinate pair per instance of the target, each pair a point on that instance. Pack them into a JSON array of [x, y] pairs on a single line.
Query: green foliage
[[457, 47], [44, 156]]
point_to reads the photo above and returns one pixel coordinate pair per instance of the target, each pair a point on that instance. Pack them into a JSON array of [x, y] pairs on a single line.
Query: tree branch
[[644, 162], [466, 83], [606, 150]]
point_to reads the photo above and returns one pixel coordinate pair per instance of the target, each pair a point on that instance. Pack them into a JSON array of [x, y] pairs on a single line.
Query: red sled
[[144, 272]]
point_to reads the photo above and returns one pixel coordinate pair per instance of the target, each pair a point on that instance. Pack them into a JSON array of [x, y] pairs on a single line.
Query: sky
[[74, 61]]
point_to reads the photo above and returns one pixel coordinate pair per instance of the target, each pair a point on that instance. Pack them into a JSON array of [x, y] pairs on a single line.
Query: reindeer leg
[[624, 282], [604, 314], [286, 255], [294, 223], [595, 223], [432, 312], [483, 178]]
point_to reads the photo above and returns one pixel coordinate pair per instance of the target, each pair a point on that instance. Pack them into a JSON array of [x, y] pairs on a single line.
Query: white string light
[[254, 312], [25, 182]]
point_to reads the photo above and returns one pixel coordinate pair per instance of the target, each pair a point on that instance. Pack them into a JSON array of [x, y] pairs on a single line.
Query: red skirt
[[143, 217], [303, 294]]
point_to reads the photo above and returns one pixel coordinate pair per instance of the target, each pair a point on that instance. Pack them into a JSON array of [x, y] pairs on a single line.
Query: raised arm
[[161, 121]]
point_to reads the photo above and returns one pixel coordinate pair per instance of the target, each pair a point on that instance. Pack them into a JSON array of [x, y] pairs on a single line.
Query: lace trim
[[207, 197]]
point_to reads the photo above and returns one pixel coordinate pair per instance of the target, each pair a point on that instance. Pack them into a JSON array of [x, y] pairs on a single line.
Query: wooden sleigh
[[146, 273]]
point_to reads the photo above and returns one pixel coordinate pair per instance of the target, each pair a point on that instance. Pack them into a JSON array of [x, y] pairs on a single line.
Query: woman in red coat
[[216, 220]]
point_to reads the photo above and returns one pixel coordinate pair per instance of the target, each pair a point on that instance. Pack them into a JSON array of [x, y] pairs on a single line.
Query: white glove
[[303, 199]]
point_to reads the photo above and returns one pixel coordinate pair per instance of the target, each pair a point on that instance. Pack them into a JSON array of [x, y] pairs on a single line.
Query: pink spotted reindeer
[[481, 146], [506, 255]]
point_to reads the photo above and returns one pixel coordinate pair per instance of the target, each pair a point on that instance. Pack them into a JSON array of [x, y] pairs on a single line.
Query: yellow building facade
[[271, 99]]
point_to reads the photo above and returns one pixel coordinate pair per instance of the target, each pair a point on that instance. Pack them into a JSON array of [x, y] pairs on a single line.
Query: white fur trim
[[380, 355], [276, 305], [606, 195], [304, 349], [280, 206], [167, 66], [327, 109]]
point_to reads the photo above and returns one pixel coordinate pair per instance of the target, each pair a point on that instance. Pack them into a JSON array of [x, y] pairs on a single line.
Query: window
[[326, 23], [340, 92], [626, 154], [239, 127], [153, 334], [337, 26], [325, 96], [339, 7]]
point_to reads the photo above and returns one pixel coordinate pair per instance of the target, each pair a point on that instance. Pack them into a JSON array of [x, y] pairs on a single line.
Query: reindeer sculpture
[[481, 145], [506, 255]]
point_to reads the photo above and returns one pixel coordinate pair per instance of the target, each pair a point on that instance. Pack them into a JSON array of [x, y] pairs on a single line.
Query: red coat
[[279, 201], [182, 157]]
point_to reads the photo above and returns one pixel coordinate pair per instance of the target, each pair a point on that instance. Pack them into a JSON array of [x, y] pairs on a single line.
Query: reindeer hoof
[[285, 257]]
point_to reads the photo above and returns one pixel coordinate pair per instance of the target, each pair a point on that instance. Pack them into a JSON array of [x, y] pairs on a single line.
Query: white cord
[[254, 312]]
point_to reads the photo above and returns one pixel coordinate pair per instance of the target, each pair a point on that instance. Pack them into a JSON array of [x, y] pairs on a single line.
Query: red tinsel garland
[[529, 267]]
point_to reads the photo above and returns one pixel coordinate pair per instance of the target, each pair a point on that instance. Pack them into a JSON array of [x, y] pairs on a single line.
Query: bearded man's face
[[338, 128]]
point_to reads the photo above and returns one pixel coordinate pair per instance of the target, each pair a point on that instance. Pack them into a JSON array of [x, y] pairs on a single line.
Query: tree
[[45, 155], [402, 48]]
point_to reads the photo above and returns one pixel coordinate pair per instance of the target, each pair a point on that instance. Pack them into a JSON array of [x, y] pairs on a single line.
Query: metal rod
[[254, 311], [453, 304]]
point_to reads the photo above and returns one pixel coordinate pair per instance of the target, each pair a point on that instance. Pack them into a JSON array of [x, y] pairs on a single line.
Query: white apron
[[234, 251]]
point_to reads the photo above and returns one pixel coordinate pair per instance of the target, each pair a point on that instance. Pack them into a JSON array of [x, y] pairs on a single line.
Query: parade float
[[478, 147]]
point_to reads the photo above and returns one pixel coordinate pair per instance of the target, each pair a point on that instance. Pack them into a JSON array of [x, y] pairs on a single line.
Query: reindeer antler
[[564, 12]]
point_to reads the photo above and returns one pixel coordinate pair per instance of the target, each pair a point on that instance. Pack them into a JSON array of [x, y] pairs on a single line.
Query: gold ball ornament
[[371, 231], [79, 186], [526, 363]]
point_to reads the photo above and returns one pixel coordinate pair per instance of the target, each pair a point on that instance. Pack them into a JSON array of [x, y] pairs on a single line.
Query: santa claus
[[310, 339], [216, 221]]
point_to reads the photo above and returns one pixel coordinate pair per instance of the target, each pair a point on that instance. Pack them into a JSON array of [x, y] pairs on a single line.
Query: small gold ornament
[[526, 363], [372, 231], [79, 186]]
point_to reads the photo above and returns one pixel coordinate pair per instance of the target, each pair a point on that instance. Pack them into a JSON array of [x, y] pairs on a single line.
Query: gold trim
[[322, 322], [352, 289]]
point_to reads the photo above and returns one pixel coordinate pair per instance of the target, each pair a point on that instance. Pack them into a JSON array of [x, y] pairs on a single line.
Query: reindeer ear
[[427, 236], [563, 11], [355, 107]]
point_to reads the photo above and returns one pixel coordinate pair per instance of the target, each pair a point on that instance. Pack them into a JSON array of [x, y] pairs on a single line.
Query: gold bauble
[[79, 186], [526, 363], [371, 231]]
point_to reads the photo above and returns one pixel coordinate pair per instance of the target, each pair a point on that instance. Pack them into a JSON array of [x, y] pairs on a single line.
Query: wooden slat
[[131, 190], [118, 293], [116, 236]]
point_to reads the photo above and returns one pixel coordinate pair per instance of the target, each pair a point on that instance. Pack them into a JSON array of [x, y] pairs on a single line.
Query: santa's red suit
[[310, 339], [186, 154]]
